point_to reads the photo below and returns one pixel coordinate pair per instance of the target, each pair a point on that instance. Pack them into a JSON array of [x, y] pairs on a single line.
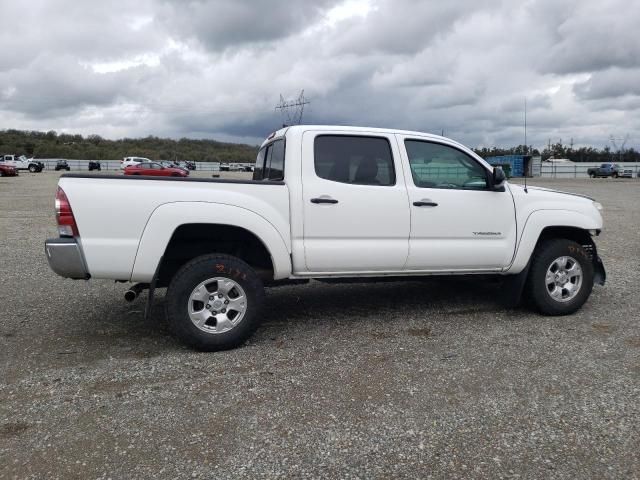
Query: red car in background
[[155, 169], [8, 170]]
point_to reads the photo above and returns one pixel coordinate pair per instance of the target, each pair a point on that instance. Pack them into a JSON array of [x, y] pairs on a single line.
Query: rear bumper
[[65, 258]]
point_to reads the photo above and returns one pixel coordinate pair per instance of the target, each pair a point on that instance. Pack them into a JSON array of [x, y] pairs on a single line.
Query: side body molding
[[538, 221], [168, 217]]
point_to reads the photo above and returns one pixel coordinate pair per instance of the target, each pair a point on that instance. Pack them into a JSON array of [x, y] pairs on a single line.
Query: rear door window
[[358, 160]]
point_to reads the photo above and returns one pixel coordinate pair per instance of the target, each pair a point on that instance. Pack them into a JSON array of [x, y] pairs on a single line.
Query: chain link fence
[[114, 165], [545, 169]]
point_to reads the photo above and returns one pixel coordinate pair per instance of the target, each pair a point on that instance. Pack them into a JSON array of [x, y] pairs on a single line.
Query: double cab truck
[[605, 170], [22, 163], [327, 203]]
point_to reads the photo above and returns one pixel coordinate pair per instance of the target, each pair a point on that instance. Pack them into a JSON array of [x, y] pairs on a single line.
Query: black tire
[[615, 175], [33, 168], [193, 273], [537, 288], [592, 175]]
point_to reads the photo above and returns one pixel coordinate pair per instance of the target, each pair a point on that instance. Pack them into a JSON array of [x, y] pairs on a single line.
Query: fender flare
[[536, 222], [166, 218]]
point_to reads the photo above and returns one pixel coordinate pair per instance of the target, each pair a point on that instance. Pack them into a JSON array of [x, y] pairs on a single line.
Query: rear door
[[457, 222], [356, 211]]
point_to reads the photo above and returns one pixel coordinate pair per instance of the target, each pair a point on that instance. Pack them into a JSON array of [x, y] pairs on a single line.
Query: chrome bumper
[[65, 258]]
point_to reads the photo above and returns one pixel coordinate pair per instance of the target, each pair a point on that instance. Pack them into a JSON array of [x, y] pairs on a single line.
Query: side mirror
[[498, 178]]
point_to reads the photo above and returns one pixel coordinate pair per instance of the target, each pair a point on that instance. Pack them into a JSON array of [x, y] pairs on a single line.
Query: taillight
[[64, 215]]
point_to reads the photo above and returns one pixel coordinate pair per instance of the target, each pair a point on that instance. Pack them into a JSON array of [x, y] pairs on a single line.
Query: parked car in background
[[155, 169], [94, 165], [605, 170], [62, 165], [22, 163], [625, 173], [173, 165], [8, 170], [129, 161]]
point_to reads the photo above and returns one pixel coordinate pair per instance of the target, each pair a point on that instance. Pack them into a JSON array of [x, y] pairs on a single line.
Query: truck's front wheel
[[214, 302], [561, 277]]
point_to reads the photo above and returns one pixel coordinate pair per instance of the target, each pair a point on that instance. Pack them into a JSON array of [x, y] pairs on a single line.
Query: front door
[[457, 222], [356, 211]]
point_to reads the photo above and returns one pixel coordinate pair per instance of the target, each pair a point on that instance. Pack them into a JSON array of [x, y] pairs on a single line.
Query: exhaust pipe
[[131, 294]]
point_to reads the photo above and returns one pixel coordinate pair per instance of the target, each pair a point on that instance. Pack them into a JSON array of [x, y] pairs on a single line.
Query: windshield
[[22, 158]]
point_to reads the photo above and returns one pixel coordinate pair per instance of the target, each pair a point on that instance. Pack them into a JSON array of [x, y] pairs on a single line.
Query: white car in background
[[625, 172], [131, 161]]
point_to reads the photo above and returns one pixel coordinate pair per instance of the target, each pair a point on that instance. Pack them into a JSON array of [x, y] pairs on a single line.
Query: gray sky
[[215, 69]]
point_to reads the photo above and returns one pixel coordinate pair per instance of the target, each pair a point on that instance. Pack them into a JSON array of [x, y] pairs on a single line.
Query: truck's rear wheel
[[561, 277], [214, 302]]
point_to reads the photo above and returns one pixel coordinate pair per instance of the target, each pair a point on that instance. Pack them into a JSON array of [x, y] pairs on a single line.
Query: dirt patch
[[633, 341], [420, 332], [602, 328], [12, 429]]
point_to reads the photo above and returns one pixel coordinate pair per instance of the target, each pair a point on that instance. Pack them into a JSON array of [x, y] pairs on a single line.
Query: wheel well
[[192, 240], [578, 235]]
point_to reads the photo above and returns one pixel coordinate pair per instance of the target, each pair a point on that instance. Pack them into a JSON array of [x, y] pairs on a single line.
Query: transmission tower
[[615, 145], [292, 110]]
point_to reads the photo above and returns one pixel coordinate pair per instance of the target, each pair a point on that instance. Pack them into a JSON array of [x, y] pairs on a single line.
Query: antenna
[[525, 124], [525, 145], [292, 110]]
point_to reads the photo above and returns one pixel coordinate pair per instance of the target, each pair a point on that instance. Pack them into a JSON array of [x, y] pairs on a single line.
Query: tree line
[[93, 147], [558, 150]]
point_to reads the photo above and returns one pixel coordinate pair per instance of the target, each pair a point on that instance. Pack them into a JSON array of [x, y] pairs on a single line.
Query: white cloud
[[216, 68]]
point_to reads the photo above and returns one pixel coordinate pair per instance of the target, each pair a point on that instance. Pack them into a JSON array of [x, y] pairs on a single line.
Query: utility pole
[[292, 110]]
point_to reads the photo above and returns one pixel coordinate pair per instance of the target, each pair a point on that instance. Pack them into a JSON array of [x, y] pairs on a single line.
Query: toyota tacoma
[[327, 203]]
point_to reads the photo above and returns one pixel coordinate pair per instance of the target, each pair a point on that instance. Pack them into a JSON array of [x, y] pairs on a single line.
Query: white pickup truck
[[22, 163], [325, 202]]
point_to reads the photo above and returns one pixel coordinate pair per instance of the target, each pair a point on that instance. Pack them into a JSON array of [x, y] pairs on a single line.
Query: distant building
[[515, 165]]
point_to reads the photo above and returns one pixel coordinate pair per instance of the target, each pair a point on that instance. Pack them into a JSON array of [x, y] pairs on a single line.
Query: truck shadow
[[126, 333], [322, 302]]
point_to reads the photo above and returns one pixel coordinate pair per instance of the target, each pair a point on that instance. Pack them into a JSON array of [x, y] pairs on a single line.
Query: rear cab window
[[270, 162]]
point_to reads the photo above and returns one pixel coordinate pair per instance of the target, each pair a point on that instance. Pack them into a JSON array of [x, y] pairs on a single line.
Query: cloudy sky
[[216, 69]]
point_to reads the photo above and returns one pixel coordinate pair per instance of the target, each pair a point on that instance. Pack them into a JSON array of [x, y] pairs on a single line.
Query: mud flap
[[599, 275], [152, 288], [514, 286]]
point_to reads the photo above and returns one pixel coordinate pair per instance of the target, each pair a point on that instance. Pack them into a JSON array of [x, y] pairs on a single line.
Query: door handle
[[324, 200], [425, 203]]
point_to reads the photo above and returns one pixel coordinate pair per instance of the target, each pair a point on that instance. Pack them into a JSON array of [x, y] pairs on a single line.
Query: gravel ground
[[430, 379]]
